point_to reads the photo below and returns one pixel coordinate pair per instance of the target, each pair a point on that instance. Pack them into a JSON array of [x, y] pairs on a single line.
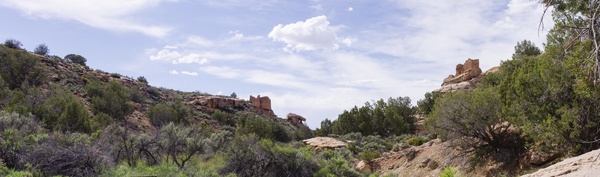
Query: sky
[[315, 58]]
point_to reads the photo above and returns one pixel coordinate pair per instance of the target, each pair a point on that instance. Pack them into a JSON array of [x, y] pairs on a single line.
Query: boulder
[[321, 143], [296, 119], [363, 166]]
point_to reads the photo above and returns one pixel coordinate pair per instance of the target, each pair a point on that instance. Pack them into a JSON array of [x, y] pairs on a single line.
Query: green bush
[[142, 79], [161, 115], [416, 141], [19, 68], [112, 99], [77, 59], [249, 156], [13, 44], [369, 155], [449, 172], [224, 117], [41, 49], [18, 134], [264, 128]]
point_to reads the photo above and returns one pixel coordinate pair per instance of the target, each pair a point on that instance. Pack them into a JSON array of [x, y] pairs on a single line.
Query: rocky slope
[[75, 77]]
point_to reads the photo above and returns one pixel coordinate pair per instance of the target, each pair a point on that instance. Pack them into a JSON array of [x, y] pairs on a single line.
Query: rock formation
[[323, 143], [296, 119], [466, 78], [262, 104], [216, 102]]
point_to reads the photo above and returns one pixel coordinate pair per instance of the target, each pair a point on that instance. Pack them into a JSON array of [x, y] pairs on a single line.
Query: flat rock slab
[[587, 164], [325, 143]]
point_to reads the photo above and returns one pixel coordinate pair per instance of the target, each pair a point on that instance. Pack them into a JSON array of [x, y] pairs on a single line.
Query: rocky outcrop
[[262, 104], [323, 143], [464, 72], [466, 78], [583, 165], [216, 102], [296, 119]]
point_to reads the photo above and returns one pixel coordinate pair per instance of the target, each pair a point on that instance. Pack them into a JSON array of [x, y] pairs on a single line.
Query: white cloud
[[312, 34], [165, 54], [191, 58], [350, 9], [200, 41], [114, 15], [223, 72], [238, 36], [175, 72], [189, 73]]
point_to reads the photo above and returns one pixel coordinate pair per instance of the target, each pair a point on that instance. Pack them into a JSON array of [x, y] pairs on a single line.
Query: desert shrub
[[250, 156], [224, 117], [264, 128], [449, 172], [111, 99], [416, 141], [130, 146], [161, 115], [181, 143], [63, 111], [69, 155], [142, 79], [77, 59], [336, 162], [41, 49], [115, 75], [101, 120], [13, 44], [302, 133], [18, 134], [369, 155], [19, 68]]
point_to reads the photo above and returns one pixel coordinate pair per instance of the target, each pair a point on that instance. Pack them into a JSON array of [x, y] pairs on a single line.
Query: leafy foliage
[[142, 79], [41, 49], [13, 44], [425, 105], [526, 48], [161, 115], [19, 68], [18, 134], [394, 117], [111, 99], [474, 115], [249, 156], [74, 58], [264, 128]]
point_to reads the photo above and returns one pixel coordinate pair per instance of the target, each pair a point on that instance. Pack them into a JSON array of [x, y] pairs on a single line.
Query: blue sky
[[315, 58]]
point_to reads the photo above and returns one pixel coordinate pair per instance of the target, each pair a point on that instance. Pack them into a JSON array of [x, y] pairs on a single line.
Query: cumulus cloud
[[114, 15], [312, 34]]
